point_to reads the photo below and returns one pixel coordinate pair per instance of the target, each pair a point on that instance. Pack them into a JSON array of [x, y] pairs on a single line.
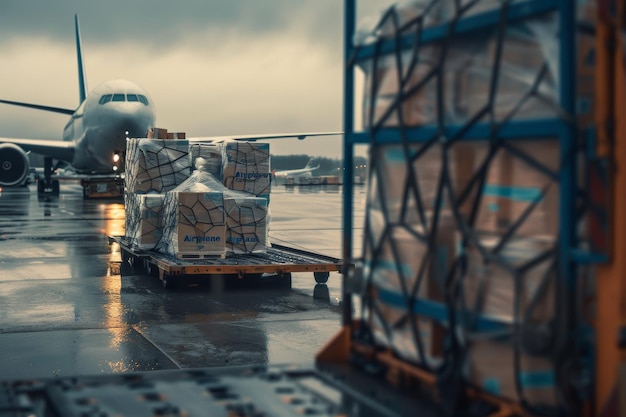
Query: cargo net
[[247, 167], [461, 236], [155, 165], [193, 224], [246, 221]]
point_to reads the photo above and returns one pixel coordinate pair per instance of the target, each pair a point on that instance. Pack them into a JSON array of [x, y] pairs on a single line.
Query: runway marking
[[142, 334]]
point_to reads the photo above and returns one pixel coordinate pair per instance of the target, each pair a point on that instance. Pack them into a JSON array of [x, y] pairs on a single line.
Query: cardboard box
[[490, 288], [156, 133], [392, 329], [490, 367], [521, 60], [418, 107], [247, 167], [144, 213], [513, 186], [156, 166], [176, 135], [402, 253], [194, 224], [402, 257], [246, 223], [392, 169], [418, 88], [523, 56]]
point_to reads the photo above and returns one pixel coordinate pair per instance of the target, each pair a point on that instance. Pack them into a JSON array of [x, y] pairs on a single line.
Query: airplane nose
[[135, 123]]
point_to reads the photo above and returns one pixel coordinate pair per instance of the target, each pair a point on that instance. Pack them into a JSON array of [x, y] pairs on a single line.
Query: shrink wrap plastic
[[144, 213], [155, 165], [201, 217], [220, 207]]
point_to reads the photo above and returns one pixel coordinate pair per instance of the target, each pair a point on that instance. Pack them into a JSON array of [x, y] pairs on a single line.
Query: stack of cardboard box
[[193, 218], [153, 167], [197, 199], [498, 213]]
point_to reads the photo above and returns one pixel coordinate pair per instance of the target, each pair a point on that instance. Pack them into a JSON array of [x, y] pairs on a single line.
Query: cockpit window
[[105, 98], [124, 97]]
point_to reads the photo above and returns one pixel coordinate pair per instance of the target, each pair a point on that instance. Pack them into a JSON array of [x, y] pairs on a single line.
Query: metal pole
[[348, 153]]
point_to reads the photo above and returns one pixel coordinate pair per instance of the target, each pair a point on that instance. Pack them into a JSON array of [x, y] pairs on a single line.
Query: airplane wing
[[56, 149], [252, 138]]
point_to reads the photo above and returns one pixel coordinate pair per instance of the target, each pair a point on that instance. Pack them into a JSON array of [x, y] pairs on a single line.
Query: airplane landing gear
[[47, 185]]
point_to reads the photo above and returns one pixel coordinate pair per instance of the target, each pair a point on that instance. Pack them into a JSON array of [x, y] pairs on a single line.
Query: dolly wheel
[[151, 269], [321, 277], [166, 279], [127, 265], [55, 187], [286, 280]]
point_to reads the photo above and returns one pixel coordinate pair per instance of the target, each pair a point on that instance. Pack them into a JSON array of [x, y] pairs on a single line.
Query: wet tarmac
[[65, 309]]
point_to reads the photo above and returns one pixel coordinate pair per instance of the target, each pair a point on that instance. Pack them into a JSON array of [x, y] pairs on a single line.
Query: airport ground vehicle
[[103, 187], [279, 262], [582, 342]]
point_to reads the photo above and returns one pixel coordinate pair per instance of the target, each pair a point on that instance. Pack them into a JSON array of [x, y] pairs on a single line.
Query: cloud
[[211, 67]]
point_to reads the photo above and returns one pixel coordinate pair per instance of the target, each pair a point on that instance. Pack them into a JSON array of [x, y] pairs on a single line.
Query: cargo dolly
[[279, 261]]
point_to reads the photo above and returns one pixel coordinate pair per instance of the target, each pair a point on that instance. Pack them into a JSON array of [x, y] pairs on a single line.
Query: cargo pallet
[[279, 262]]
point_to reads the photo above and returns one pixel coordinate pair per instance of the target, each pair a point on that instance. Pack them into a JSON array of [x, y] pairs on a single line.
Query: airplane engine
[[14, 165]]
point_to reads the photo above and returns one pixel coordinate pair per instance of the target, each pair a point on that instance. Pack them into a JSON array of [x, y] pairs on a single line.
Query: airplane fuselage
[[294, 173], [115, 110]]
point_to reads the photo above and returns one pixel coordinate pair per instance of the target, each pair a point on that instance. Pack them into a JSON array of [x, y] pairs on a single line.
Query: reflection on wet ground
[[65, 309]]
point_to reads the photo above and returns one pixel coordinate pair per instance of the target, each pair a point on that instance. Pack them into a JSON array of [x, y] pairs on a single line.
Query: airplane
[[296, 173], [94, 139]]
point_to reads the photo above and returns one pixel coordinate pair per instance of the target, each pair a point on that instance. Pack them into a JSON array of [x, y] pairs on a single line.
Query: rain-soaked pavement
[[65, 310]]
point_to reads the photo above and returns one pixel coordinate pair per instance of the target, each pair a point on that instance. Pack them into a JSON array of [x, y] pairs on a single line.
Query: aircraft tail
[[82, 82], [82, 87]]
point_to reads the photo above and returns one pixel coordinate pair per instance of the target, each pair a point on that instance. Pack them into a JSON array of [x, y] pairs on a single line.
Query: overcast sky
[[212, 67]]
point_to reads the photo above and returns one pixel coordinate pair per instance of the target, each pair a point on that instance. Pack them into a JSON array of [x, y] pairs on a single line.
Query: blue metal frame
[[476, 23], [348, 155], [539, 129]]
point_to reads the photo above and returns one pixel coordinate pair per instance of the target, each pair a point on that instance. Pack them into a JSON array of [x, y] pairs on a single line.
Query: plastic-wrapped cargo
[[522, 277], [491, 310], [247, 221], [212, 153], [404, 268], [513, 191], [490, 367], [201, 217], [144, 213], [194, 224], [155, 165], [247, 167]]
